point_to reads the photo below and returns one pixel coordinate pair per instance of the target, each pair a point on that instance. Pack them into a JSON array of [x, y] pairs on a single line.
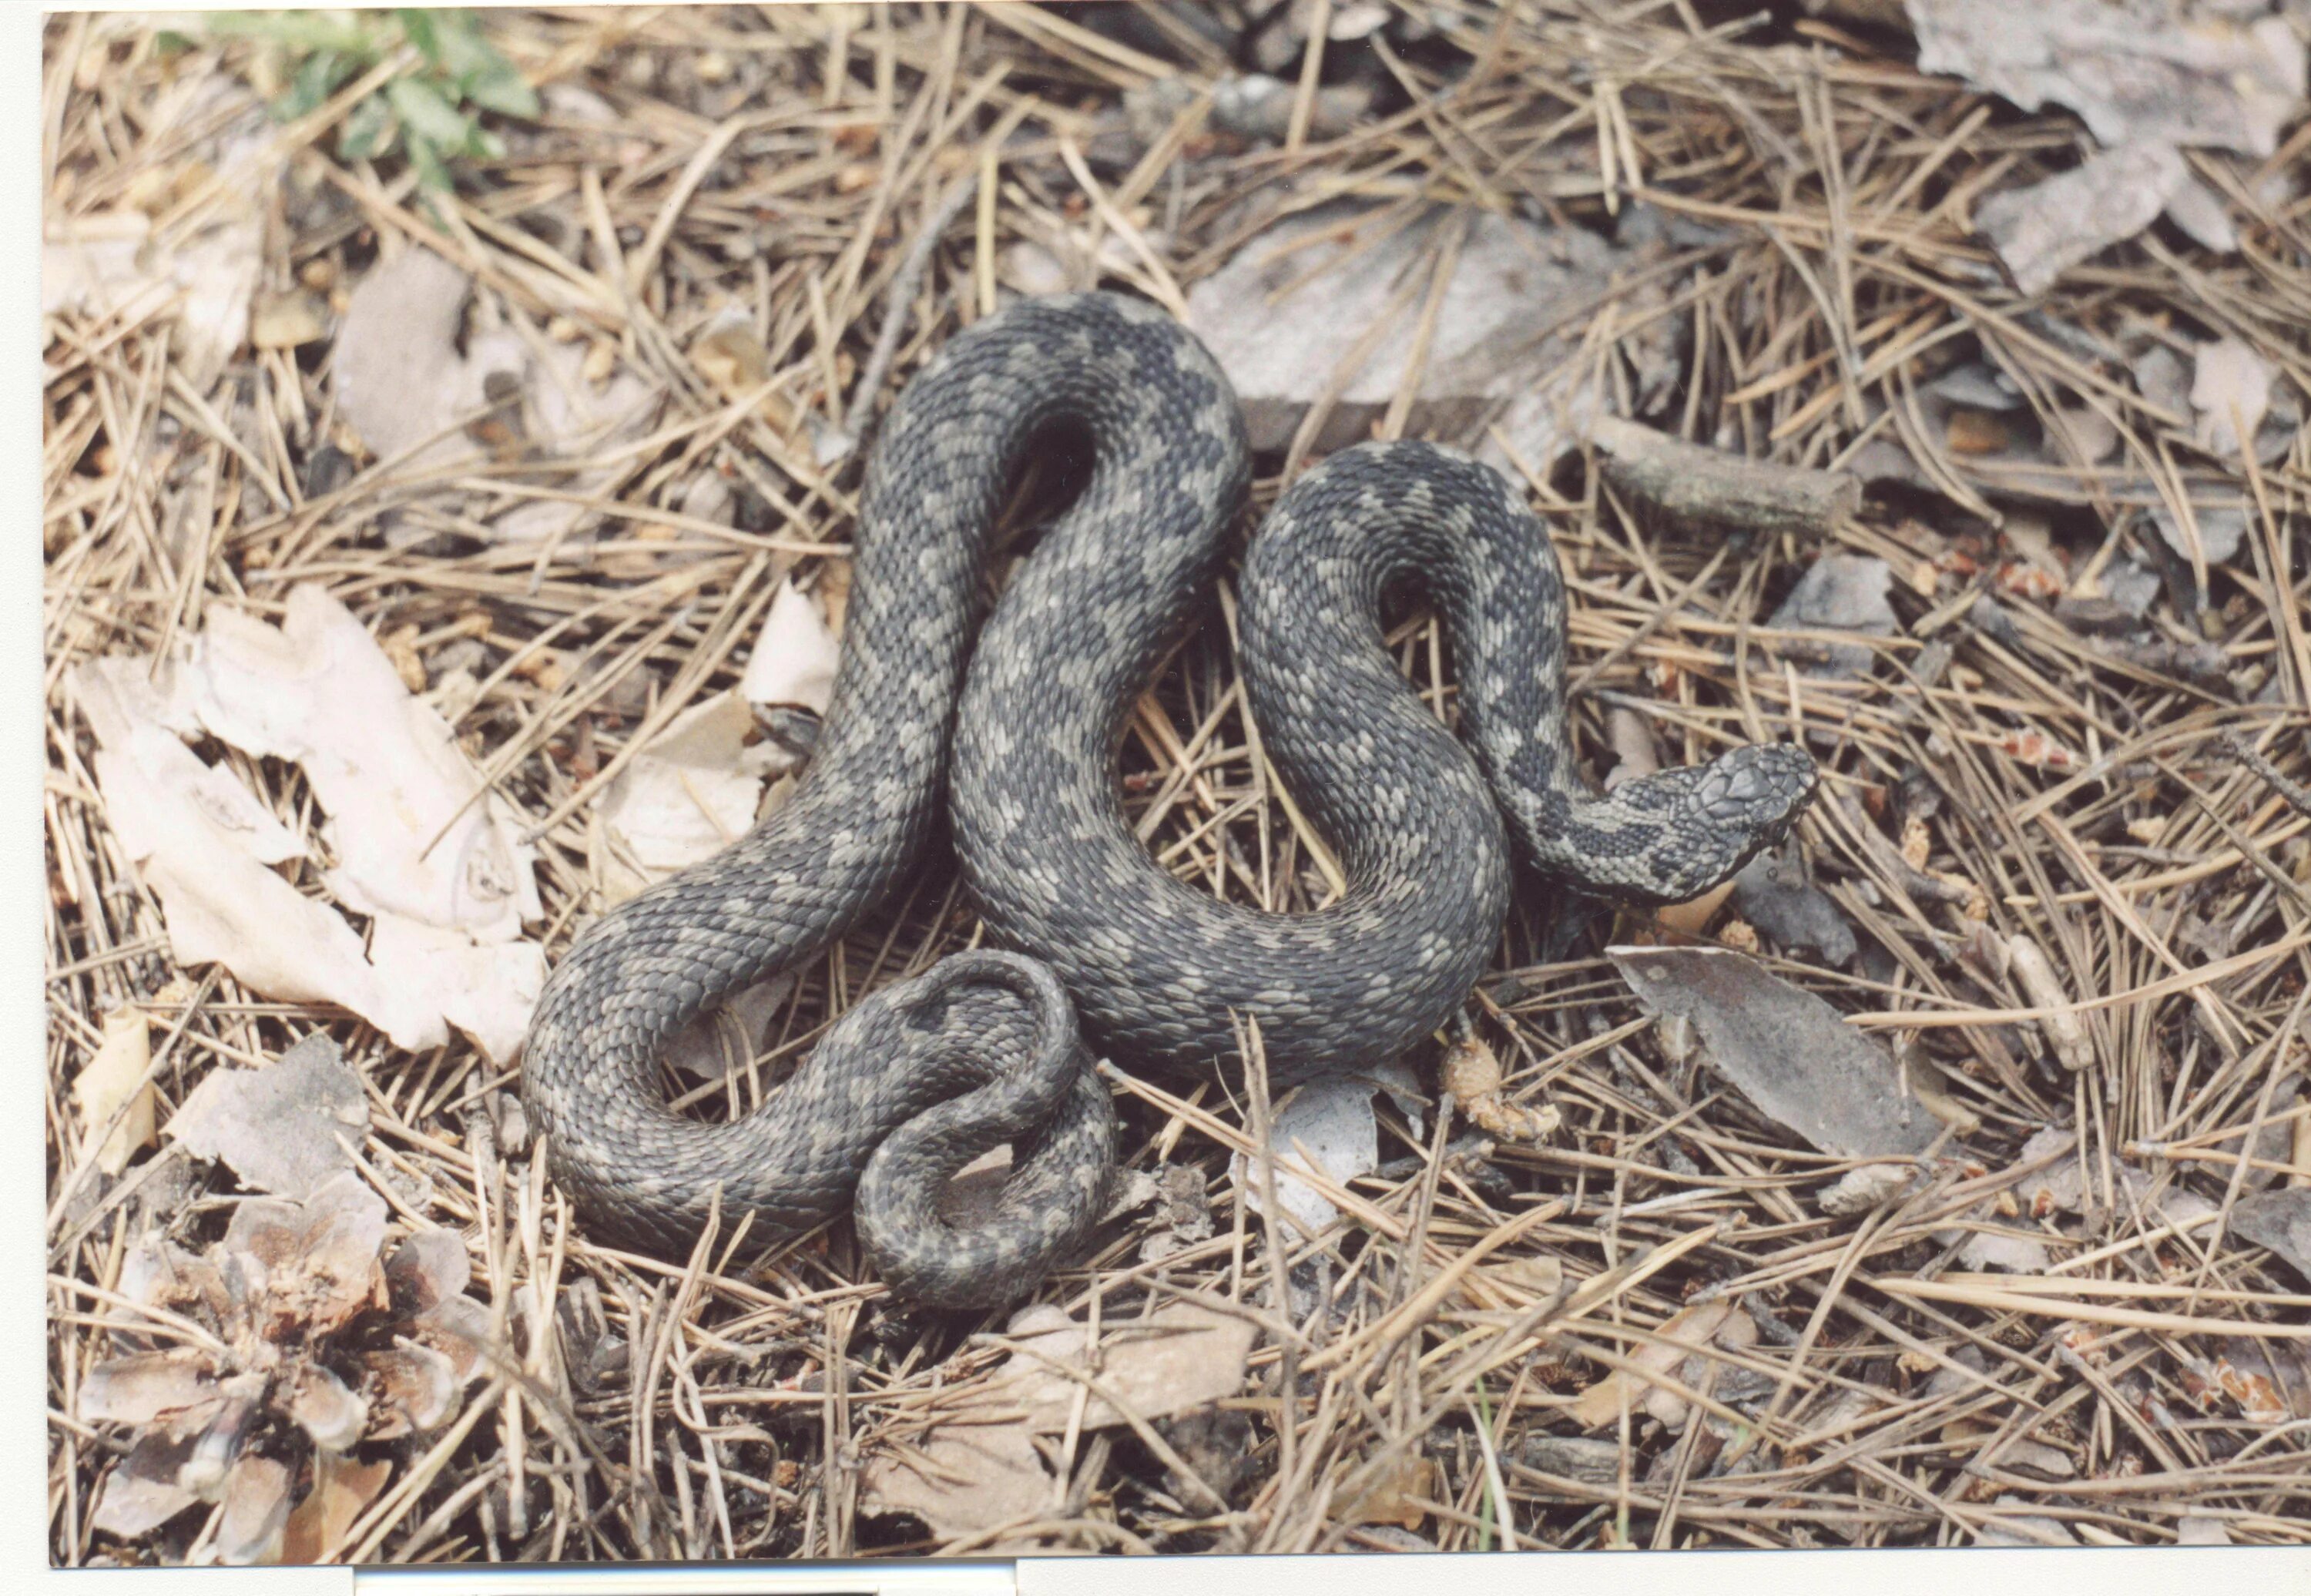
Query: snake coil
[[924, 1075]]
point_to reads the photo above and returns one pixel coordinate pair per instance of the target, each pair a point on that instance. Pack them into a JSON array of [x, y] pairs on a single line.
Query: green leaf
[[421, 29], [368, 130], [168, 42], [428, 115], [498, 87], [432, 171], [319, 78]]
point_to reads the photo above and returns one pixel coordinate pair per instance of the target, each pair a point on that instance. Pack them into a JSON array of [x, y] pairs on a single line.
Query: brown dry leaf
[[435, 861], [1396, 1499], [1693, 1328], [114, 1079], [729, 354], [277, 1128], [341, 1489], [977, 1468]]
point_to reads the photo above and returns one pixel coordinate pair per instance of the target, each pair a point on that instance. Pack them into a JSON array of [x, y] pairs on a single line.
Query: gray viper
[[923, 1076]]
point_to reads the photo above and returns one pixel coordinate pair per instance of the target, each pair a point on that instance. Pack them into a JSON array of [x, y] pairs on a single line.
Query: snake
[[1008, 724]]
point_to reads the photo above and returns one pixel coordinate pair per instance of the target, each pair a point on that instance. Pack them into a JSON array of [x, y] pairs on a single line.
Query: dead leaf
[[2279, 1220], [341, 1490], [1841, 593], [693, 791], [407, 386], [114, 1079], [277, 1128], [1396, 1499], [795, 658], [1787, 1051], [1274, 316], [2042, 231], [1687, 1331], [421, 849], [2231, 391], [977, 1468], [2137, 72], [1328, 1120], [204, 267]]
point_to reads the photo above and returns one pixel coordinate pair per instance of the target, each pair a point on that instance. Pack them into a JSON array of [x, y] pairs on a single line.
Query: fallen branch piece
[[1687, 481]]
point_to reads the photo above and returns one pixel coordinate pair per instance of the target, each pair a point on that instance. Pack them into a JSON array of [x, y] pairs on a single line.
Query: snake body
[[924, 1075]]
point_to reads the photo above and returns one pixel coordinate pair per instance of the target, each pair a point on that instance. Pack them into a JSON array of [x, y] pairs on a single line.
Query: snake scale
[[1088, 930]]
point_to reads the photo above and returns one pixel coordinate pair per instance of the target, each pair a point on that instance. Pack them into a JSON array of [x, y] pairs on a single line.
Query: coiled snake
[[924, 1075]]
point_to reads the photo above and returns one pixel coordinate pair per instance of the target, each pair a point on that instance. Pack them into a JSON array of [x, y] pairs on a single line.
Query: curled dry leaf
[[278, 1128]]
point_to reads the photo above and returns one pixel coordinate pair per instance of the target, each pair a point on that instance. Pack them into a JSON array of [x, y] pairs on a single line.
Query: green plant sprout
[[434, 112]]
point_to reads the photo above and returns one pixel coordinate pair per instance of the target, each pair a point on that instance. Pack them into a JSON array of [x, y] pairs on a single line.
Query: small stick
[[1692, 483]]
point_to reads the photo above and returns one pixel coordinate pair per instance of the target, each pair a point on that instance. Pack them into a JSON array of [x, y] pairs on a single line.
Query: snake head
[[1715, 817]]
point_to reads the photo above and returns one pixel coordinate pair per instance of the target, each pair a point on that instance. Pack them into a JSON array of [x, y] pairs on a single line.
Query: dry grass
[[786, 160]]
